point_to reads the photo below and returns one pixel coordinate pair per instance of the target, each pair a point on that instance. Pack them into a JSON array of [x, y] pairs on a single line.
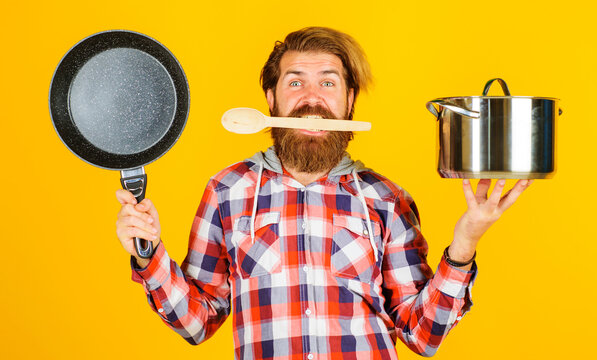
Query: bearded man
[[316, 256]]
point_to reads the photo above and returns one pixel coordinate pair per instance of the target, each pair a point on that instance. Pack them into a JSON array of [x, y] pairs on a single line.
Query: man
[[316, 256]]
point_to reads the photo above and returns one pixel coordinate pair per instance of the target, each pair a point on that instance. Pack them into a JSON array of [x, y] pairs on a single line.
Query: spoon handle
[[319, 124]]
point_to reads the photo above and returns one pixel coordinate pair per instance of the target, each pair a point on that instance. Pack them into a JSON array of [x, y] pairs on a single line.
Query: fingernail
[[502, 182], [155, 231], [465, 181], [150, 220]]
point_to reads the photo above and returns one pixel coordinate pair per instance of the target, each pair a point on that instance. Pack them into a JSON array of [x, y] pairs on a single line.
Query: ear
[[269, 95]]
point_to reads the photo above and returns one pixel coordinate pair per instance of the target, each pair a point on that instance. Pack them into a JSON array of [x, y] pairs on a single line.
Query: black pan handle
[[135, 181]]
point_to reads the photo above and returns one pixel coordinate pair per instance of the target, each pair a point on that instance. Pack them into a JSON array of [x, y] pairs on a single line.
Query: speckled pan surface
[[119, 99]]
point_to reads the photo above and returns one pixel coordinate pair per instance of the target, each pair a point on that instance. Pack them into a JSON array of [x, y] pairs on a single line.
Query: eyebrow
[[299, 73], [327, 72]]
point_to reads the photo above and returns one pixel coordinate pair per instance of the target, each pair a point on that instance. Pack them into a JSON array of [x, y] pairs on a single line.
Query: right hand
[[136, 220]]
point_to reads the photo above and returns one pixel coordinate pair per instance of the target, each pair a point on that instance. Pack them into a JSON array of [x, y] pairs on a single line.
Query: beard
[[305, 153]]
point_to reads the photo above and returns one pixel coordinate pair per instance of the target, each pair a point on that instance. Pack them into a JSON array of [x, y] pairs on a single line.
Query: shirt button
[[365, 232], [305, 268], [160, 310], [303, 225], [459, 318], [310, 356], [308, 312]]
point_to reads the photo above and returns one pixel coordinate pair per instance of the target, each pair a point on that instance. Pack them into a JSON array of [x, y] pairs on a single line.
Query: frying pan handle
[[135, 181]]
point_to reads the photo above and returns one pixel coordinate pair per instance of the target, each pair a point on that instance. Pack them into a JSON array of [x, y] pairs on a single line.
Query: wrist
[[141, 262], [461, 253], [464, 265]]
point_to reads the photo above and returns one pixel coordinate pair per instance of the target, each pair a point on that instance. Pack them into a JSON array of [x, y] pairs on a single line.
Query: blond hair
[[357, 72]]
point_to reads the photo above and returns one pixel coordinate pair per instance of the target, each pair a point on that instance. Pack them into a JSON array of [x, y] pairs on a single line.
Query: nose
[[312, 96]]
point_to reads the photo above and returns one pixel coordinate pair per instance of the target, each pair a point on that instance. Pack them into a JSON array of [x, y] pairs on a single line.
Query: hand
[[482, 212], [136, 220]]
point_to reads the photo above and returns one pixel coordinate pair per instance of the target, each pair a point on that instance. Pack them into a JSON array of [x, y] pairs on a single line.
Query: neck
[[306, 178]]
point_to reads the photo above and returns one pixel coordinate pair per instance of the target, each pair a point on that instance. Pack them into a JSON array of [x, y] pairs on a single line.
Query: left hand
[[482, 212]]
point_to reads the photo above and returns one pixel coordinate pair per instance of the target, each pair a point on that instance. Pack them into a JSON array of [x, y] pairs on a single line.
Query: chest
[[286, 229]]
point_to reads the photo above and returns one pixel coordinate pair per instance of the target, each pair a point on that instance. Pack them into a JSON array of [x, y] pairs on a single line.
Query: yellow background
[[66, 291]]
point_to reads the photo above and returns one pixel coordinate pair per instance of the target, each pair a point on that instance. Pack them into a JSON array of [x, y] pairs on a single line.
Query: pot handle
[[450, 106], [504, 88], [502, 83]]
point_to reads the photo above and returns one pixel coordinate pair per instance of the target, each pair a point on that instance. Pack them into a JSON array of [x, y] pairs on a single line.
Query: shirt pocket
[[260, 256], [352, 254]]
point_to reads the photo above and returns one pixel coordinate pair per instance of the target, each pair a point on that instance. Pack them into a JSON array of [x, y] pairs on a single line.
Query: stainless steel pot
[[496, 137]]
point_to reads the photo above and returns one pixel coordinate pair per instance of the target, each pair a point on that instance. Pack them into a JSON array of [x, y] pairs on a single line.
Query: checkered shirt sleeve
[[424, 306], [194, 299]]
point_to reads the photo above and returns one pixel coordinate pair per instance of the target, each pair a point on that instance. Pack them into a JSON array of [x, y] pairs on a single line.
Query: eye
[[327, 84], [295, 83]]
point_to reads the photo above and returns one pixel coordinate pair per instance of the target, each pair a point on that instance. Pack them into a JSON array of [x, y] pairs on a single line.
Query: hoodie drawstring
[[256, 196], [361, 198], [369, 227]]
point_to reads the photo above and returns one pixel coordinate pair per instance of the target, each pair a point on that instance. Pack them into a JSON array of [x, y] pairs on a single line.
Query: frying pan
[[119, 100]]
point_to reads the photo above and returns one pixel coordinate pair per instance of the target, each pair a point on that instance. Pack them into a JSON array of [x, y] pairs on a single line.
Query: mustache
[[312, 110]]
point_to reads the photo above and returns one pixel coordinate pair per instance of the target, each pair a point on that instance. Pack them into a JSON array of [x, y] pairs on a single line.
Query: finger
[[506, 195], [136, 222], [130, 210], [147, 206], [483, 188], [144, 206], [125, 197], [496, 194], [134, 232], [519, 187], [469, 195]]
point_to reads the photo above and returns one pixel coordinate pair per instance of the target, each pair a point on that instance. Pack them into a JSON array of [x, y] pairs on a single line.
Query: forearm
[[424, 318], [178, 299]]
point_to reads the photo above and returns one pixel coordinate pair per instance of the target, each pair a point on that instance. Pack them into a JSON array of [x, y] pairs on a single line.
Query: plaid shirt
[[307, 286]]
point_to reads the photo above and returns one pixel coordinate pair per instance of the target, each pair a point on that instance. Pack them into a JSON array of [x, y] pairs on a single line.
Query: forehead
[[310, 61]]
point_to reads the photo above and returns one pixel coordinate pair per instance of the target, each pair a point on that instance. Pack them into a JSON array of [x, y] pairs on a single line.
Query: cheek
[[285, 100], [340, 105]]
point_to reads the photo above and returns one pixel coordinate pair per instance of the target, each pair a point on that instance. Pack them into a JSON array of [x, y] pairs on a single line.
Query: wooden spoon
[[250, 121]]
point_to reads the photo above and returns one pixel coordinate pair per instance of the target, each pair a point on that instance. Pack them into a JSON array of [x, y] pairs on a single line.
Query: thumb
[[125, 197], [146, 206]]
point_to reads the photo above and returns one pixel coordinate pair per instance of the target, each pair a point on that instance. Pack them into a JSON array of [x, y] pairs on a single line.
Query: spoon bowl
[[243, 121]]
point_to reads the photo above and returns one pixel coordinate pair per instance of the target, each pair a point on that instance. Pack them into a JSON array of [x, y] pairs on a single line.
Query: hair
[[357, 72]]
